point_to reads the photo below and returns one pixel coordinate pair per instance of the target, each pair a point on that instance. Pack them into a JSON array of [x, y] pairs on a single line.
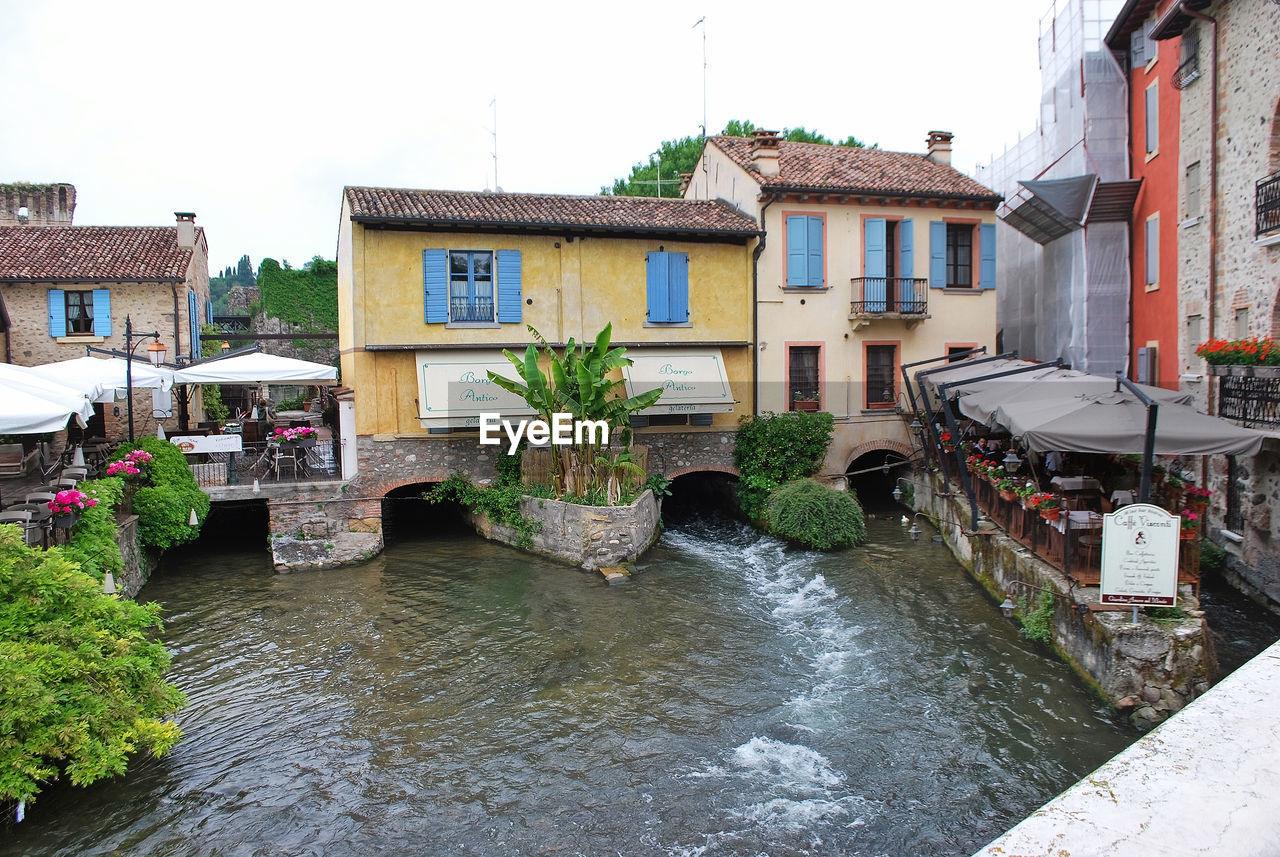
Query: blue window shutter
[[874, 268], [797, 252], [510, 300], [57, 313], [816, 265], [937, 254], [657, 285], [987, 256], [192, 315], [678, 280], [101, 312], [435, 286], [1153, 118], [873, 248], [906, 248]]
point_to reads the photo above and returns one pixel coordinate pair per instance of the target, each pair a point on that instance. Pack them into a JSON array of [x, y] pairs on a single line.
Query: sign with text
[[213, 443], [692, 381], [454, 388], [1140, 556]]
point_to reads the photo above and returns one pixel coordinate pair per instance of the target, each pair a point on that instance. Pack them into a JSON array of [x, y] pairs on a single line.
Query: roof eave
[[122, 280], [567, 228], [992, 199]]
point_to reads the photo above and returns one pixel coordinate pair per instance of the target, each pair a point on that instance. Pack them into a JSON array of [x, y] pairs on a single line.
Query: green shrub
[[80, 674], [771, 449], [508, 467], [1212, 557], [93, 542], [164, 513], [168, 466], [815, 516], [1037, 624]]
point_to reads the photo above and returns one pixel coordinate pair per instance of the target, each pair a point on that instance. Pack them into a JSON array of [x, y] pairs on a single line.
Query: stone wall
[[138, 566], [46, 204], [590, 537], [1148, 671], [675, 453], [1253, 564]]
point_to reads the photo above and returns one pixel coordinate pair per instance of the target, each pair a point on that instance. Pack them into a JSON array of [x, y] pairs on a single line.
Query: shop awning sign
[[692, 380], [454, 388], [1140, 555]]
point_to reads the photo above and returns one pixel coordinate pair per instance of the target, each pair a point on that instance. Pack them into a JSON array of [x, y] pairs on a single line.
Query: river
[[735, 697]]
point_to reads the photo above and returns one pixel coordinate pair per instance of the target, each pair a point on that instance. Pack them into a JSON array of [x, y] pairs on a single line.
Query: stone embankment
[[590, 537], [1147, 671]]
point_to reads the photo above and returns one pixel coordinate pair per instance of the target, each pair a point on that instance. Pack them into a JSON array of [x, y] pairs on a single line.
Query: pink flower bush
[[69, 501], [130, 465], [292, 435]]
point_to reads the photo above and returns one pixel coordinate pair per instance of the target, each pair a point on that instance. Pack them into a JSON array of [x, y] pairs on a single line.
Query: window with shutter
[[805, 259], [510, 301], [101, 312], [1153, 118], [666, 287], [1152, 239]]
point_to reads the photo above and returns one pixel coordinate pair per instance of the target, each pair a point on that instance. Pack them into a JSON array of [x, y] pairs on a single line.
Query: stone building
[[65, 287], [37, 204], [1228, 93]]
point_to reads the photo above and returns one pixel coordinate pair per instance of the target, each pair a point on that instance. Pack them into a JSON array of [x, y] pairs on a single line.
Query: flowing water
[[453, 696]]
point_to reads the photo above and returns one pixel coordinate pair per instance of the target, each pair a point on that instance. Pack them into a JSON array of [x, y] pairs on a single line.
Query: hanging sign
[[213, 443], [1140, 555]]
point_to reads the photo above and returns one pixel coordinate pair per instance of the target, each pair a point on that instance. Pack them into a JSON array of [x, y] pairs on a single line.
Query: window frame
[[1151, 119], [1151, 252], [86, 306], [960, 228], [818, 388], [470, 279], [894, 346]]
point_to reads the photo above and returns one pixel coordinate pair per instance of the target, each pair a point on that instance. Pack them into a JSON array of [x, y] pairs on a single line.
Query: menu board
[[1140, 555]]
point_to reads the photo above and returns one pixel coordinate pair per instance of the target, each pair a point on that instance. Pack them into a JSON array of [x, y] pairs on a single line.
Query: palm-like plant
[[580, 385]]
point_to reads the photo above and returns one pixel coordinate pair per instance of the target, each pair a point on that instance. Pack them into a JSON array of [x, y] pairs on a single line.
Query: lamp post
[[155, 353]]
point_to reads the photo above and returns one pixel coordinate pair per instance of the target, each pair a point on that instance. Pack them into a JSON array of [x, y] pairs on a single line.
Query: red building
[[1154, 69]]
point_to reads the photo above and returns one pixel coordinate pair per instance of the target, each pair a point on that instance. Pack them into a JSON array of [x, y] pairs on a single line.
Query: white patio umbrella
[[257, 368], [109, 373], [983, 401], [30, 404]]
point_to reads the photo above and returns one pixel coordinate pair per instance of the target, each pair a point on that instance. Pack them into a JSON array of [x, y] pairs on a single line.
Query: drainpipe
[[755, 311], [184, 418]]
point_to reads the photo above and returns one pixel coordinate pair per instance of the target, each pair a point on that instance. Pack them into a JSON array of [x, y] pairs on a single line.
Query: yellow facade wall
[[572, 287]]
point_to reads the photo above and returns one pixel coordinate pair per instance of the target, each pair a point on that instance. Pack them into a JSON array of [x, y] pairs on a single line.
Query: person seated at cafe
[[994, 454]]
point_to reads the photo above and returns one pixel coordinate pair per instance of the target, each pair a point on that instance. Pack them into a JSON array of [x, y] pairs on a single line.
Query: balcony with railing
[[1250, 395], [1267, 200], [889, 297]]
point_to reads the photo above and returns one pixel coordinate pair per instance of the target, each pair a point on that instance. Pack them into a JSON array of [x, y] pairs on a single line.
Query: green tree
[[81, 674], [816, 516], [581, 383]]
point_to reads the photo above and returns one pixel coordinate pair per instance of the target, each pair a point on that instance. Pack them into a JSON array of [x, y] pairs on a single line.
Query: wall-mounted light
[[1007, 607]]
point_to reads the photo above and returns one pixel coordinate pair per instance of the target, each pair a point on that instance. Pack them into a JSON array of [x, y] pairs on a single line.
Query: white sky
[[256, 114]]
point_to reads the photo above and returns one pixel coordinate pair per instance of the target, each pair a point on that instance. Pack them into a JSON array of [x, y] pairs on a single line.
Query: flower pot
[[1051, 514], [1199, 508], [804, 405], [1008, 496], [66, 520], [1189, 534]]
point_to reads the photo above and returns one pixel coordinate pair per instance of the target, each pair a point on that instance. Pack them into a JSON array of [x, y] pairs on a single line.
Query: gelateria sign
[[454, 388], [1140, 555], [692, 380]]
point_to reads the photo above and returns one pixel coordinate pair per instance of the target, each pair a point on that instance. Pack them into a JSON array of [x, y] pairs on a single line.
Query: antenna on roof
[[702, 22], [494, 133]]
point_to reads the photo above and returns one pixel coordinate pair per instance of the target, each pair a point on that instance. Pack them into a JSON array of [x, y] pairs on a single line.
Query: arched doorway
[[405, 515], [700, 492], [873, 473]]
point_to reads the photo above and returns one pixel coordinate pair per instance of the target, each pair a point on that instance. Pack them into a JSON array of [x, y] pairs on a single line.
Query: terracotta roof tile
[[813, 166], [535, 210], [71, 253]]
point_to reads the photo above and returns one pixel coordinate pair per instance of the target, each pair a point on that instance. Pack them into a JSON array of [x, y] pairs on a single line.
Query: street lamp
[[155, 353], [1011, 461]]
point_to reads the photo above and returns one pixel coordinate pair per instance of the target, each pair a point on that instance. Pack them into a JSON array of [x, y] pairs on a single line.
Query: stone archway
[[871, 446]]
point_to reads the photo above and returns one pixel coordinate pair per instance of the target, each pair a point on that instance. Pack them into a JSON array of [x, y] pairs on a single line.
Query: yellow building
[[871, 259], [432, 285]]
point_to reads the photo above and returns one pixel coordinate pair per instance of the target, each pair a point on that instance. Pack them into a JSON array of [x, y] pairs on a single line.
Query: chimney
[[685, 178], [186, 229], [940, 147], [765, 152]]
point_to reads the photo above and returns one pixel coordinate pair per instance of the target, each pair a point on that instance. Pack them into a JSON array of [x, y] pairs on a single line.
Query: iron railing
[[896, 295], [1187, 73], [1253, 401], [1267, 199], [470, 309], [231, 324]]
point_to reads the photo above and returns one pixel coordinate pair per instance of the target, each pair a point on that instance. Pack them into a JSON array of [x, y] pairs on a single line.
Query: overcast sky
[[255, 115]]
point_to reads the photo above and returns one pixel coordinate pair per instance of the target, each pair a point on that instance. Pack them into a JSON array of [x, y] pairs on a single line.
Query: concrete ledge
[[1204, 782]]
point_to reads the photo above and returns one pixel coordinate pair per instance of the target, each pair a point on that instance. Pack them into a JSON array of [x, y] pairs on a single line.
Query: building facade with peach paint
[[870, 259]]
